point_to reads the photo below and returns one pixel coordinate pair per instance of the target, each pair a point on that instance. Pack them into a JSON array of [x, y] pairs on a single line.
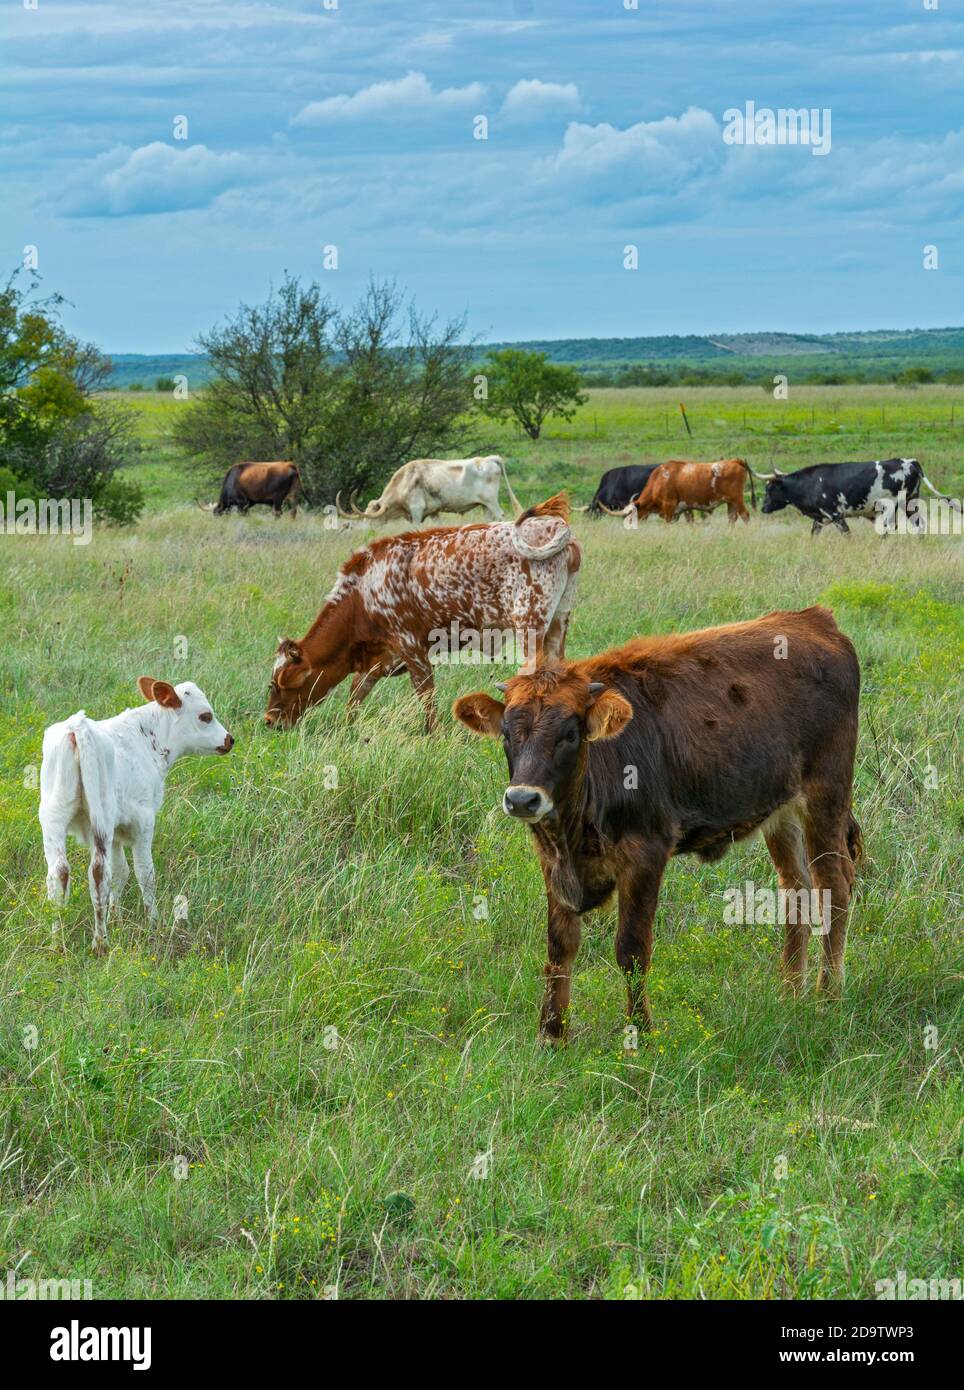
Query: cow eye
[[206, 717]]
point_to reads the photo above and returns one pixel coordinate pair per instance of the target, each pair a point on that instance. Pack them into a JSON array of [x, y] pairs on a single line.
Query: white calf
[[102, 781]]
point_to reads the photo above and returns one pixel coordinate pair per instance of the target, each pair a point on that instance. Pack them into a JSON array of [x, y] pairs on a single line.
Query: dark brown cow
[[406, 600], [249, 485], [680, 486], [682, 745]]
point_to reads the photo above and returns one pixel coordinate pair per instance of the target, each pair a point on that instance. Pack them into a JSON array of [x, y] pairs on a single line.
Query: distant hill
[[878, 352], [143, 369]]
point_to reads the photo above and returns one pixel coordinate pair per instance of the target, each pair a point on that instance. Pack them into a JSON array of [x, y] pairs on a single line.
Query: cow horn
[[500, 685], [596, 686], [581, 509], [354, 505], [764, 477], [349, 516], [205, 506], [609, 511]]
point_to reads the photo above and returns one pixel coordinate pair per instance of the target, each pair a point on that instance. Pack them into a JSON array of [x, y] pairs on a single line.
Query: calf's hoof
[[99, 946], [830, 985], [553, 1030]]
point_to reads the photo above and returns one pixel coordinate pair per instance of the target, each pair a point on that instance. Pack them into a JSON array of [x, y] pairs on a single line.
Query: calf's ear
[[480, 713], [608, 715], [161, 691]]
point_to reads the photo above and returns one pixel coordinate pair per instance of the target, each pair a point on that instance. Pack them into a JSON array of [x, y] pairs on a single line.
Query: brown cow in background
[[248, 485], [682, 745], [680, 486]]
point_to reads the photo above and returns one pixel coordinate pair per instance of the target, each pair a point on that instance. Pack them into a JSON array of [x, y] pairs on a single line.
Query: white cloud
[[530, 97], [152, 178], [669, 152], [411, 95]]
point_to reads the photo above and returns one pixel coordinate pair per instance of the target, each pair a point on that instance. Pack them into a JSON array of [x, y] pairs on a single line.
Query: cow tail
[[508, 487], [545, 552], [294, 490], [749, 474], [92, 777], [855, 839], [952, 501]]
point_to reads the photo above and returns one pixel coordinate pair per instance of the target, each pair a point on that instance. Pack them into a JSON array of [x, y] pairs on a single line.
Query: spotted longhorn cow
[[407, 602]]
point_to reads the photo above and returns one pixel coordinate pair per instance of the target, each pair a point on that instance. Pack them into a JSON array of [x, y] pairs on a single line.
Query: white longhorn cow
[[102, 781], [427, 487]]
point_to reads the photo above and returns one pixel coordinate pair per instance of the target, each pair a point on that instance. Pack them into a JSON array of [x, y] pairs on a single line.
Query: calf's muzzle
[[526, 803]]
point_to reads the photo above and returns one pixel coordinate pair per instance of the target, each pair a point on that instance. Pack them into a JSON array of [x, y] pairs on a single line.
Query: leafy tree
[[349, 395], [57, 440], [527, 387]]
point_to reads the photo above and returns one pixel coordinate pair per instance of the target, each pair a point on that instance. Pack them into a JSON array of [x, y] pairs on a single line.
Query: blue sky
[[353, 126]]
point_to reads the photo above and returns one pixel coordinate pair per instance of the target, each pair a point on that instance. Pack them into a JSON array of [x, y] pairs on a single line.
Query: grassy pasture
[[292, 1089], [641, 425]]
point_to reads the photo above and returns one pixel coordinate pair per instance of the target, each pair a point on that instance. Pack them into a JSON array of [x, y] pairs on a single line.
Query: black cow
[[831, 492], [618, 486], [249, 485]]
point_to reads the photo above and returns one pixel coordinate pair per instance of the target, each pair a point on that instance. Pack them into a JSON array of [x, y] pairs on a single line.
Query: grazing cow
[[682, 487], [248, 485], [617, 486], [832, 492], [681, 745], [400, 601], [102, 781], [427, 487]]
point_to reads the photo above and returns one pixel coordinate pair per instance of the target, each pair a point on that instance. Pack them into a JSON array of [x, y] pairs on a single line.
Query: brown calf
[[680, 486], [399, 602], [247, 485], [679, 745]]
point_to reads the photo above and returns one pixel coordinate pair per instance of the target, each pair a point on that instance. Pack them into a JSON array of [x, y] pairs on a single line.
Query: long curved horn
[[609, 511], [581, 509], [354, 504], [508, 487], [348, 516], [205, 506], [764, 477]]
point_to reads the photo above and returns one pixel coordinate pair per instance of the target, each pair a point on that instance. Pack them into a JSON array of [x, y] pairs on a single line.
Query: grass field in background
[[290, 1091], [641, 425]]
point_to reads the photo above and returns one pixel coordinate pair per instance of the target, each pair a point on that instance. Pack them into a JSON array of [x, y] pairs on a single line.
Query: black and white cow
[[832, 492], [618, 486]]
